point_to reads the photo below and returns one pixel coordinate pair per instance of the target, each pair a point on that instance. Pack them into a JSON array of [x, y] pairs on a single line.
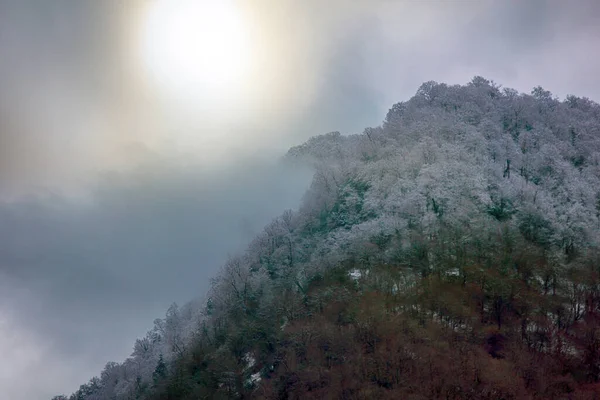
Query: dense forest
[[452, 253]]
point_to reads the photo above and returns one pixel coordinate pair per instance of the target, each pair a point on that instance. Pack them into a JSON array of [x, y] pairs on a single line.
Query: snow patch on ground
[[254, 378], [250, 360], [355, 274]]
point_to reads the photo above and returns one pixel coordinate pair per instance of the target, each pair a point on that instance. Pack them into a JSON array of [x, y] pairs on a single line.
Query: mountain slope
[[451, 252]]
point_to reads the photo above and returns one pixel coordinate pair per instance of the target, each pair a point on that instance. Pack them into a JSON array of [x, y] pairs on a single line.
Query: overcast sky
[[116, 200]]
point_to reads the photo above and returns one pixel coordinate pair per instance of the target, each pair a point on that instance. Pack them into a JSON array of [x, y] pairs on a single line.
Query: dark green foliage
[[535, 228], [382, 240], [437, 207], [578, 161], [209, 306], [502, 209], [160, 372], [348, 209]]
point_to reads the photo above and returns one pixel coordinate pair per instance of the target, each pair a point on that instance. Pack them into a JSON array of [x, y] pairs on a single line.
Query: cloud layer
[[81, 279]]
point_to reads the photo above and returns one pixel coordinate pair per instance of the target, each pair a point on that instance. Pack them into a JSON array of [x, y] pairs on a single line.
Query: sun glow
[[196, 47]]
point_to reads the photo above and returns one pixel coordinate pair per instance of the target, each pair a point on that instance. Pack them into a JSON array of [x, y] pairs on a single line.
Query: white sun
[[196, 47]]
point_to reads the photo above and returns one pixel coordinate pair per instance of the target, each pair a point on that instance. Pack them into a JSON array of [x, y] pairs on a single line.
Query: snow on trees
[[481, 185]]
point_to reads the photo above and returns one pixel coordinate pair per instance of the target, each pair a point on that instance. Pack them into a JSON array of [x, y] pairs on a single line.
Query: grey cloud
[[143, 231], [52, 67], [102, 269]]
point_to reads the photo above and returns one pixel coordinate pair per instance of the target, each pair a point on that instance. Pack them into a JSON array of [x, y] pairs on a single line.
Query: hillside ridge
[[452, 252]]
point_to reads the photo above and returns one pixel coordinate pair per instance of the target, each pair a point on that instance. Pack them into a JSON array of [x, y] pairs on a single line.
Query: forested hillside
[[452, 252]]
